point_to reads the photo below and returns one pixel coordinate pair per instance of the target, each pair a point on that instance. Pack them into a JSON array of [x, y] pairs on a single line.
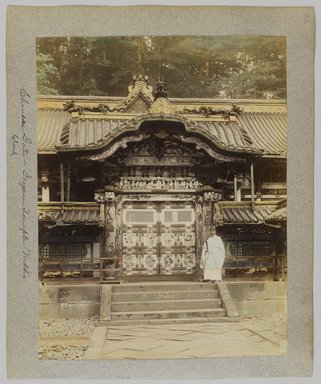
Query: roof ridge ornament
[[161, 90], [139, 87]]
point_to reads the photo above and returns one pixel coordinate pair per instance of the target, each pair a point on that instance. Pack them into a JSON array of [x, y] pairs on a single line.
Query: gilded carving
[[162, 106], [209, 111], [74, 106]]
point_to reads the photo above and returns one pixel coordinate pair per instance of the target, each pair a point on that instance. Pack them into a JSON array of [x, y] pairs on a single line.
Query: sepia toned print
[[145, 146]]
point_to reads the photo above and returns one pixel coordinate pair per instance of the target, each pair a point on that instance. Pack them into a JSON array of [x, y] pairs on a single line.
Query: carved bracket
[[107, 197], [212, 196]]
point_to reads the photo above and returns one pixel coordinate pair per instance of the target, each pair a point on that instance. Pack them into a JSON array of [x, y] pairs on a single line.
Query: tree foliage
[[192, 66], [47, 75]]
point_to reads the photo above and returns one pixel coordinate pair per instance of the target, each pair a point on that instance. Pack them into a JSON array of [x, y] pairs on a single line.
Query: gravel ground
[[65, 327], [59, 352]]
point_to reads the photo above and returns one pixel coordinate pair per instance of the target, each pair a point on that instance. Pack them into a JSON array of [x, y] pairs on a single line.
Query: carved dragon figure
[[71, 106], [209, 111]]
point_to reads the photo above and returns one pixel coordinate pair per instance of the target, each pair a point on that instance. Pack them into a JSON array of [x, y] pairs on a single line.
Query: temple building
[[128, 187]]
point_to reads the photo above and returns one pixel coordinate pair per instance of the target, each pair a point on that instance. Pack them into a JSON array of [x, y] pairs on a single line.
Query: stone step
[[154, 287], [134, 306], [164, 295], [180, 320], [168, 314]]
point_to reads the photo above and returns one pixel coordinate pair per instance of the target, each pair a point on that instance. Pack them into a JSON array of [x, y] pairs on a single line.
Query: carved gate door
[[177, 238], [158, 238]]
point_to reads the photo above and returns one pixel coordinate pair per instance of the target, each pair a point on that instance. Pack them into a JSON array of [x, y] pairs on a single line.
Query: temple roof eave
[[210, 130], [85, 123]]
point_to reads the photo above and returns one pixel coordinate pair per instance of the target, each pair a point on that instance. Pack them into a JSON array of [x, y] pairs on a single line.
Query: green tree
[[192, 66], [47, 75]]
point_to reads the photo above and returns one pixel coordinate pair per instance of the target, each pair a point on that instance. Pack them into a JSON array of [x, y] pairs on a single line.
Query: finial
[[161, 90]]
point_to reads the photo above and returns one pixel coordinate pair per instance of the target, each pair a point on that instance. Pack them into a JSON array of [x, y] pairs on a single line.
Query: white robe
[[213, 256]]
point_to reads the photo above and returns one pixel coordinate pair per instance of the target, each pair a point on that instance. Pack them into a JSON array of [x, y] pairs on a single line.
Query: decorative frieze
[[158, 183]]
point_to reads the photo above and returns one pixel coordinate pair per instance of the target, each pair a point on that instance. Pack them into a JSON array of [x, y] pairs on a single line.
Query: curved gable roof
[[257, 130], [87, 134]]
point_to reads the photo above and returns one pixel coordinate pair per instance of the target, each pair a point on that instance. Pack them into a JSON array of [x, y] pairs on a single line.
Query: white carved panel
[[165, 245]]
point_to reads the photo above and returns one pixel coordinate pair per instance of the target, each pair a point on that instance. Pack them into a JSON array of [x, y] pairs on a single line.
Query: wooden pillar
[[45, 193], [68, 183], [102, 237], [237, 189], [62, 183], [200, 232], [107, 222], [110, 232], [96, 258], [45, 190], [252, 186]]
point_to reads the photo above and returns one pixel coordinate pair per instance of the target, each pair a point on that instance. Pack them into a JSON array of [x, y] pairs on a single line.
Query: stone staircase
[[165, 302]]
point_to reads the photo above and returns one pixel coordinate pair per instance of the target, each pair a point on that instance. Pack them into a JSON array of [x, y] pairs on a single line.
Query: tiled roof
[[91, 133], [232, 213], [245, 215], [69, 214], [267, 131], [50, 123], [279, 215], [253, 132], [230, 136]]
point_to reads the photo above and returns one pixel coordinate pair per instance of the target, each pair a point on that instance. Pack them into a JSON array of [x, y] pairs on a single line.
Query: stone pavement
[[251, 337]]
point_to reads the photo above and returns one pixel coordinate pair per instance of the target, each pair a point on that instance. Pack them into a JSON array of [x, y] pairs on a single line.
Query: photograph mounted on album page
[[156, 220]]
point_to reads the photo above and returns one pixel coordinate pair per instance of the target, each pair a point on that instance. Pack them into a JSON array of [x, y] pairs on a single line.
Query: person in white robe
[[213, 256]]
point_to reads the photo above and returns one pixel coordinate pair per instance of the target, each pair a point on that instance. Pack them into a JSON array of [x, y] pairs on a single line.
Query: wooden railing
[[82, 269], [242, 266], [97, 268]]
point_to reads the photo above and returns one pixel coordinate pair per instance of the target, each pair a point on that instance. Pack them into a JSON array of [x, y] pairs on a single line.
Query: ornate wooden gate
[[158, 238]]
